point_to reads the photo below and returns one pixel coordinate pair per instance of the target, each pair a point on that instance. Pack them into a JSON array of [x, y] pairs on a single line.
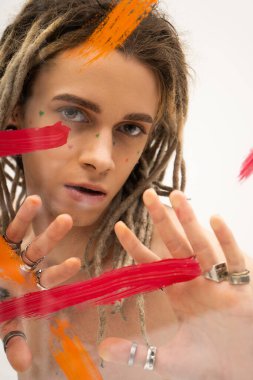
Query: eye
[[73, 114], [132, 129]]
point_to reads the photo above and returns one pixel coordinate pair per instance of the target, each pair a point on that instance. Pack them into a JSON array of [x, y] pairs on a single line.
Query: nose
[[96, 153]]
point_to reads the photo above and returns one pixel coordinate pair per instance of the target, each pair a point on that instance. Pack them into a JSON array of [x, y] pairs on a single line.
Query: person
[[92, 204]]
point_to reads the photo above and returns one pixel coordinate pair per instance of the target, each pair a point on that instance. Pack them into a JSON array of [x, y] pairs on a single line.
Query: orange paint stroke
[[114, 30], [10, 263], [72, 358]]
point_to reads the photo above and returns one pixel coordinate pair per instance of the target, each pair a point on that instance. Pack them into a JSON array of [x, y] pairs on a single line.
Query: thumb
[[117, 350]]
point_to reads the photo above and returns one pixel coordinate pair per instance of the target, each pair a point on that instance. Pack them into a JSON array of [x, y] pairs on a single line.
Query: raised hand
[[17, 350], [214, 335]]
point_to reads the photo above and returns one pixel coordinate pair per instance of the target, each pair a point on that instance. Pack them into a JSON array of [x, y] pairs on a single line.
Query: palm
[[215, 325], [214, 335]]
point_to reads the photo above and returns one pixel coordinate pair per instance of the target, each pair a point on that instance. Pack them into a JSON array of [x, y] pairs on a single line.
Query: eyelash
[[86, 120], [141, 130], [76, 110]]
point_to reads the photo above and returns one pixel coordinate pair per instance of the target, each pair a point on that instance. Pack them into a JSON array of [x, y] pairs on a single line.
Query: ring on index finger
[[14, 246], [29, 265]]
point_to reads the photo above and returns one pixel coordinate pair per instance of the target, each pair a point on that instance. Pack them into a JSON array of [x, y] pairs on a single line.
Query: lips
[[87, 189]]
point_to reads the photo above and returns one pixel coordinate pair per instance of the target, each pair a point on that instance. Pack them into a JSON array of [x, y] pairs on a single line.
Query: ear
[[15, 119]]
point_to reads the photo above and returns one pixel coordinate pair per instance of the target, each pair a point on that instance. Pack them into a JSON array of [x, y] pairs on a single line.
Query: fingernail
[[177, 198], [149, 197], [216, 222]]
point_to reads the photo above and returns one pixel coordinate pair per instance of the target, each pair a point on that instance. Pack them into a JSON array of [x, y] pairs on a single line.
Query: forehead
[[119, 78]]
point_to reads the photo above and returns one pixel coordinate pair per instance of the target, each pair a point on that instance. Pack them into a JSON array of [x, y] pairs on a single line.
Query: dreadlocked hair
[[44, 28]]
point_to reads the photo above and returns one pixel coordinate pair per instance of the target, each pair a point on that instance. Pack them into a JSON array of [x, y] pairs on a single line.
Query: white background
[[219, 132]]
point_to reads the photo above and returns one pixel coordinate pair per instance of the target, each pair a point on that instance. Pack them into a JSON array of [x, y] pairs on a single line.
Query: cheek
[[129, 152], [131, 158], [45, 164]]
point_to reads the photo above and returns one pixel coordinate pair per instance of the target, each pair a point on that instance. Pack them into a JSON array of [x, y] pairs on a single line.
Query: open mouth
[[85, 190]]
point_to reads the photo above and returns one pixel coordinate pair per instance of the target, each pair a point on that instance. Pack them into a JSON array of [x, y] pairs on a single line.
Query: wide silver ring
[[151, 356], [29, 265], [11, 335], [218, 273], [132, 354], [14, 246], [239, 278], [37, 275]]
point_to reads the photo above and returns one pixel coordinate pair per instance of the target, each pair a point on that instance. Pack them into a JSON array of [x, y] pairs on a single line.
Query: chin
[[85, 218], [81, 222]]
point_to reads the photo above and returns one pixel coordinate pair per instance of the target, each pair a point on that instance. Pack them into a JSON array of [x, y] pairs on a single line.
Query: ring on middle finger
[[37, 275], [218, 273], [29, 265]]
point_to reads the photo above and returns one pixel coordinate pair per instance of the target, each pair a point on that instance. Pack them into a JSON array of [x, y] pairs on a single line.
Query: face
[[109, 106]]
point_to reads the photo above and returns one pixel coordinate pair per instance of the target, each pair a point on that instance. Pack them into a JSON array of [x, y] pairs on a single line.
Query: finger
[[200, 242], [117, 350], [46, 241], [58, 274], [132, 244], [167, 225], [20, 224], [234, 257], [17, 350]]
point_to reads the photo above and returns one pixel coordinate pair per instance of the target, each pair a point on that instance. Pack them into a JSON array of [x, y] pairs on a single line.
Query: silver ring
[[29, 265], [38, 274], [133, 350], [218, 273], [14, 246], [11, 335], [151, 356], [239, 278]]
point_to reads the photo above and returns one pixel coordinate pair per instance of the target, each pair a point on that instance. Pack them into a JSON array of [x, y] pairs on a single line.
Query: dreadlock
[[44, 28]]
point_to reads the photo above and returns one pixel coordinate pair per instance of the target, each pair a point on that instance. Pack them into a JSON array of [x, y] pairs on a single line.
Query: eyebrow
[[97, 109]]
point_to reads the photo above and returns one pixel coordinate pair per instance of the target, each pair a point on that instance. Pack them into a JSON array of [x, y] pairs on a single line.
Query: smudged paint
[[32, 139], [10, 263], [247, 167], [10, 267], [106, 289], [41, 113], [114, 30], [72, 357], [97, 135]]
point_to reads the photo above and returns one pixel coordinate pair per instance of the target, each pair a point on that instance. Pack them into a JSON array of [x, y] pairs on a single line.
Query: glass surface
[[96, 121]]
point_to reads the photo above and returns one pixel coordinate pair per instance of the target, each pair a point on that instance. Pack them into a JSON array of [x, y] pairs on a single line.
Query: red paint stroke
[[32, 139], [72, 357], [247, 167], [105, 289]]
